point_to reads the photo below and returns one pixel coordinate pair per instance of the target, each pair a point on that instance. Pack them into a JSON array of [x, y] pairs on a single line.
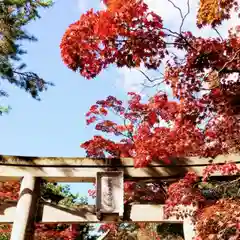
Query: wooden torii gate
[[110, 177]]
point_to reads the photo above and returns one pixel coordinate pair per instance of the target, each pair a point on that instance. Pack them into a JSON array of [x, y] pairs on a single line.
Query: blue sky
[[54, 126]]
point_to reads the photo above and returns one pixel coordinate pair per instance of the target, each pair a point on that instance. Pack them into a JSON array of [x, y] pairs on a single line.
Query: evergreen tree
[[14, 16]]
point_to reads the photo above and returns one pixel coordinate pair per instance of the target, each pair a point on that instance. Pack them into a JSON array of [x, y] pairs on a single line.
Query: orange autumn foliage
[[213, 12], [114, 5], [220, 221]]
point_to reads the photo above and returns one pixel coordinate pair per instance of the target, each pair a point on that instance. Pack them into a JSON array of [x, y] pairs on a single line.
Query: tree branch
[[183, 17], [218, 33]]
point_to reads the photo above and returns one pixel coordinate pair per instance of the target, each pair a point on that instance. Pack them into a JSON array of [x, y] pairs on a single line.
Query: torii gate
[[110, 177]]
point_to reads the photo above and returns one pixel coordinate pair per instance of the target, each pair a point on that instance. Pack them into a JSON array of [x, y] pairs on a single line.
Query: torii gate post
[[23, 225]]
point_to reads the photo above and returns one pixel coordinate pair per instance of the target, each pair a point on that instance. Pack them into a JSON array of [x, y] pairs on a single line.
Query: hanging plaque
[[109, 198]]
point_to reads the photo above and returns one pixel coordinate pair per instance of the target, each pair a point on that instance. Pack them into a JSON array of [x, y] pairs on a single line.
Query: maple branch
[[234, 70], [129, 134], [188, 11], [224, 70], [181, 13], [148, 78], [218, 33], [178, 8], [180, 36], [152, 86], [173, 32], [116, 131], [177, 57], [151, 80]]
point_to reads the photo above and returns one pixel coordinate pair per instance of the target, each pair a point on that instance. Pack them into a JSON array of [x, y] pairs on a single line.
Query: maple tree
[[200, 119]]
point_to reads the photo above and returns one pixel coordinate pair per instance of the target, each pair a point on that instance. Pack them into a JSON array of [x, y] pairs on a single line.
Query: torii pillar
[[23, 225]]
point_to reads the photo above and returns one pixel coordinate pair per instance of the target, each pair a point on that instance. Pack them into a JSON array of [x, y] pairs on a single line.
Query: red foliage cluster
[[54, 231], [111, 226], [115, 232], [182, 193], [106, 37], [207, 60], [227, 169], [144, 137], [9, 191], [128, 34], [118, 5], [215, 220]]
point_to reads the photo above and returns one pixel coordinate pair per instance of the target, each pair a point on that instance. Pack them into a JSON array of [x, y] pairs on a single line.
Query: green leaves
[[65, 197]]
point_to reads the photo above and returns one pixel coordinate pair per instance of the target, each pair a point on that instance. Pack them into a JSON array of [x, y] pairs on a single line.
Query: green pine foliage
[[14, 16]]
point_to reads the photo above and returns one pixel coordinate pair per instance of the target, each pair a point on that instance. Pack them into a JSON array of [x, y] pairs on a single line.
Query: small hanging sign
[[109, 199]]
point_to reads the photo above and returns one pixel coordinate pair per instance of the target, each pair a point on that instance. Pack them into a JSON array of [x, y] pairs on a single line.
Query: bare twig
[[183, 19], [218, 33], [145, 75], [154, 85], [178, 8], [154, 80]]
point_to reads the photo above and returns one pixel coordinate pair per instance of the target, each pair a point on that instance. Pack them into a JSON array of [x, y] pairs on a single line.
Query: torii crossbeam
[[32, 169]]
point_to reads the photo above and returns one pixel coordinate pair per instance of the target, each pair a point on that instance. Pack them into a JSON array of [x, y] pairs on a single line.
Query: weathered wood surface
[[85, 169], [51, 213]]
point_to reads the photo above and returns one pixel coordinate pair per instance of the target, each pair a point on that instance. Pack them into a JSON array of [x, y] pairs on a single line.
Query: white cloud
[[102, 6], [131, 80], [169, 14], [84, 5]]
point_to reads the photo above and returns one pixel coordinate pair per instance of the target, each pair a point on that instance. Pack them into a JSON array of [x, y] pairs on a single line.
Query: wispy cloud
[[131, 80], [102, 6], [84, 5]]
